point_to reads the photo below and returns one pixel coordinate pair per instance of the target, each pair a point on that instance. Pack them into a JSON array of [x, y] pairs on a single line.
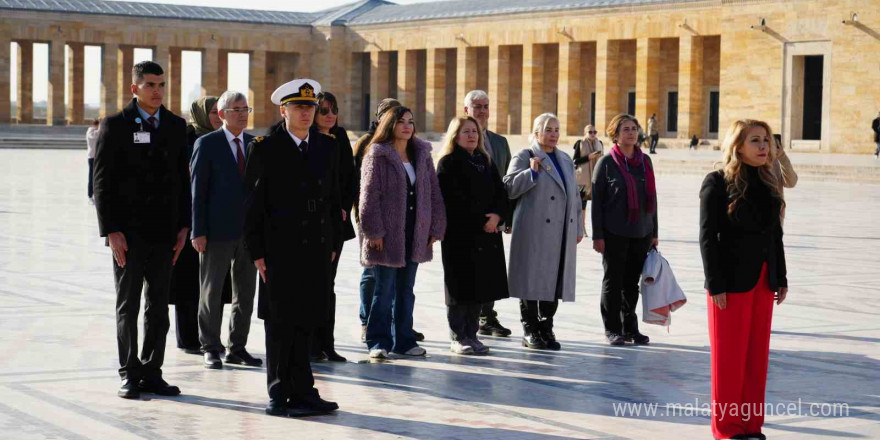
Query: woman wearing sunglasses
[[587, 152], [327, 122]]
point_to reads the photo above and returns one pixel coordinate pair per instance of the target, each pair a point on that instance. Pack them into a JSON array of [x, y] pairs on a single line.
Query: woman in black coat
[[184, 291], [741, 210], [327, 122], [474, 267]]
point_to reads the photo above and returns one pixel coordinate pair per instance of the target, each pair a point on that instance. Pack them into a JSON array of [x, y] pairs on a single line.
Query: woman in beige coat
[[586, 155]]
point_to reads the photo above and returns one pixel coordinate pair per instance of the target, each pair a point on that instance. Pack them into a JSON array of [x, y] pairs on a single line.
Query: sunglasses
[[323, 111], [592, 132]]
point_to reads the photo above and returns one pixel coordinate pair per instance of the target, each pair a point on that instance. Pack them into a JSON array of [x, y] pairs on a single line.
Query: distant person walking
[[91, 144], [875, 125]]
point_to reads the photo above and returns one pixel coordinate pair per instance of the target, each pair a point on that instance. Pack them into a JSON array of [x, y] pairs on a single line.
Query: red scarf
[[632, 192]]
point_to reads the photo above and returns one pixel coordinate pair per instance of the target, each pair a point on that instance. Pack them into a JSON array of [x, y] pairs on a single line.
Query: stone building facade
[[811, 68]]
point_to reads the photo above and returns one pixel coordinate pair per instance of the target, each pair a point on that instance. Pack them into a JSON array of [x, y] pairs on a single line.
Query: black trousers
[[654, 139], [185, 294], [91, 191], [288, 372], [322, 337], [623, 260], [464, 320], [537, 315], [147, 265]]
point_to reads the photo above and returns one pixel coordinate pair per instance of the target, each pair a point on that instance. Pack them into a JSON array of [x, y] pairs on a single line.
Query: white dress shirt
[[230, 139]]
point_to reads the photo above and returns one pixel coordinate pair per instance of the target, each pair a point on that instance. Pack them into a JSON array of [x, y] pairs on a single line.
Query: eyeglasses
[[239, 110], [324, 110], [592, 132]]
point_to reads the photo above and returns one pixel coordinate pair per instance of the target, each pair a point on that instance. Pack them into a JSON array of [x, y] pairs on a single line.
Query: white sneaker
[[416, 351], [461, 348], [479, 347], [378, 353]]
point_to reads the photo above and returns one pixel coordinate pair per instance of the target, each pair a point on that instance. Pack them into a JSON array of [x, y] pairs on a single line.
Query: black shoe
[[129, 389], [313, 402], [637, 338], [615, 339], [550, 340], [757, 435], [316, 357], [276, 408], [158, 386], [533, 340], [242, 357], [212, 360], [332, 356], [419, 336], [491, 327]]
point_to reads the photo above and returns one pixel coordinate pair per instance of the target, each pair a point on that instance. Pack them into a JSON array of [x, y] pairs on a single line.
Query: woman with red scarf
[[624, 215]]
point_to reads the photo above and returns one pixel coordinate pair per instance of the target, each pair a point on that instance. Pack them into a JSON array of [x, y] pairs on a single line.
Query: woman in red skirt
[[741, 210]]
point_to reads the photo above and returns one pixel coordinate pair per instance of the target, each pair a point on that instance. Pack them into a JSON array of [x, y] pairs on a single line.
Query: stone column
[[210, 72], [499, 82], [570, 90], [55, 87], [5, 81], [607, 82], [533, 84], [125, 61], [173, 74], [435, 87], [647, 81], [75, 77], [257, 93], [379, 62], [109, 75], [407, 66], [24, 95], [690, 86], [223, 70], [466, 73]]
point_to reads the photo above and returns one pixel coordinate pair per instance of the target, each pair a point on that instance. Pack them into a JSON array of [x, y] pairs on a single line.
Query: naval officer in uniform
[[292, 227]]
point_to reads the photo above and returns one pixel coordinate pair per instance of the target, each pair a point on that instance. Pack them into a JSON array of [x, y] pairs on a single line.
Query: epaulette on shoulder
[[258, 139]]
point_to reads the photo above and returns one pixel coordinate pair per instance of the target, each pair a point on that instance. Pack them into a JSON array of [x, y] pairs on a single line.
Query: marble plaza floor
[[58, 358]]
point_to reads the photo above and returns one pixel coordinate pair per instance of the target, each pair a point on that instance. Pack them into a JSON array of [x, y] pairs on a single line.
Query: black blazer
[[142, 189], [735, 249], [218, 190]]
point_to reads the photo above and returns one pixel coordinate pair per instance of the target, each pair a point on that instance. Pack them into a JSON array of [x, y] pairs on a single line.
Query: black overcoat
[[474, 267], [293, 220]]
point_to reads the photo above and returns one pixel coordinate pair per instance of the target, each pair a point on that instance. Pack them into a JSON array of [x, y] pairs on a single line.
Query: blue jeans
[[368, 285], [389, 324]]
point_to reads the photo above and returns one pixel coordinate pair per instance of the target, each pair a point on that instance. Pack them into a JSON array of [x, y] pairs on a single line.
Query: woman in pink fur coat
[[401, 216]]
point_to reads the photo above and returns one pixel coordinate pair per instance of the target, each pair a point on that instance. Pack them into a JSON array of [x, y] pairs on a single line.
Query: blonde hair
[[732, 165], [613, 128], [540, 124], [455, 126]]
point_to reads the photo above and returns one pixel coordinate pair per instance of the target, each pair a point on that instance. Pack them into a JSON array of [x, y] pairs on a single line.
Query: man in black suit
[[476, 104], [293, 225], [218, 194], [143, 204]]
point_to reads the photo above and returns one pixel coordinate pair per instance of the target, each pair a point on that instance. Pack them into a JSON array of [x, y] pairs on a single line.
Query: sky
[[191, 61]]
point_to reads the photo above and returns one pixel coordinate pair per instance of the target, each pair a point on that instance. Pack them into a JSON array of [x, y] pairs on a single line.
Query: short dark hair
[[145, 68], [96, 122]]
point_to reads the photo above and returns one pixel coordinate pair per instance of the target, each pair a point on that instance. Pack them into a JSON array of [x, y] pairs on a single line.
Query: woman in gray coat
[[547, 226]]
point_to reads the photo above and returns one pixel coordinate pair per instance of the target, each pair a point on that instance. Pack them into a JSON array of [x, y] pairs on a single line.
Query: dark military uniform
[[293, 220]]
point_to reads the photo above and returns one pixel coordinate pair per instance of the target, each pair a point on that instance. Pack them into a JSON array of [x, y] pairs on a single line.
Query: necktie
[[152, 121], [304, 147], [486, 143], [239, 156]]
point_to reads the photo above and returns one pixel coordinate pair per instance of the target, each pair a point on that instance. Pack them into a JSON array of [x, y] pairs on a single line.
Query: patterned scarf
[[632, 192]]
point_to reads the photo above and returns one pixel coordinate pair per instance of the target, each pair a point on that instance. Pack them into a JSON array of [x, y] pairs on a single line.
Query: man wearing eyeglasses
[[218, 194]]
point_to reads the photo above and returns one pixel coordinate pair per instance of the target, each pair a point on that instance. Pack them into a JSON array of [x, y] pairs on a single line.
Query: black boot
[[532, 338], [490, 326], [548, 336]]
